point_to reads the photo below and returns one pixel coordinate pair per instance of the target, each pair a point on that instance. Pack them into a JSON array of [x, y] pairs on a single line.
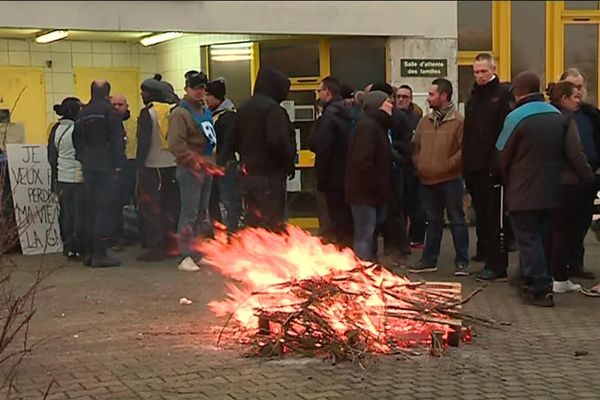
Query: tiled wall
[[65, 55], [176, 57]]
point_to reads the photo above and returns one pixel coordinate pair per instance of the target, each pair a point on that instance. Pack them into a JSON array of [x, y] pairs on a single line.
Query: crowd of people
[[383, 168]]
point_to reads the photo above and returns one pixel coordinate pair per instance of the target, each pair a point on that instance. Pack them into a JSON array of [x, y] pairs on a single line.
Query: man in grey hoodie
[[224, 116]]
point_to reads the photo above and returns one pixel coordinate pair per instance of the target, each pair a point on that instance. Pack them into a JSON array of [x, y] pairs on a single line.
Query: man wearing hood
[[332, 136], [263, 137], [158, 193], [368, 172], [438, 160], [191, 138], [396, 243], [99, 140], [224, 115]]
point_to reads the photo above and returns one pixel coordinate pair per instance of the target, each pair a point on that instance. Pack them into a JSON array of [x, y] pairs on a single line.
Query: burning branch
[[317, 300]]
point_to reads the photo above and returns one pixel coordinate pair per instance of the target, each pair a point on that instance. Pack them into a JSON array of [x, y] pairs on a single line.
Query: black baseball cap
[[195, 79]]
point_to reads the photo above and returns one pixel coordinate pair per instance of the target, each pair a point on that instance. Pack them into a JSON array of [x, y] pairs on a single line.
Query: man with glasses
[[332, 136], [412, 187], [587, 118]]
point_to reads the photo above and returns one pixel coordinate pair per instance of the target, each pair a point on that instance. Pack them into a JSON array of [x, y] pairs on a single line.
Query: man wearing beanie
[[158, 193], [368, 172], [224, 115], [262, 138], [191, 138], [438, 160]]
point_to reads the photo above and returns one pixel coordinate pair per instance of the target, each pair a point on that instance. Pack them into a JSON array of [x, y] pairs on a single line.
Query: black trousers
[[584, 217], [265, 200], [340, 214], [395, 232], [158, 199], [71, 198], [126, 185], [413, 208], [564, 231], [492, 224], [101, 192]]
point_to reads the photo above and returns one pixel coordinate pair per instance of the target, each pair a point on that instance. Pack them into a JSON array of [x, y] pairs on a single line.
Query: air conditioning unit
[[305, 113]]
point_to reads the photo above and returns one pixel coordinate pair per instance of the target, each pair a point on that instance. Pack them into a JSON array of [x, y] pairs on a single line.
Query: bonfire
[[289, 292]]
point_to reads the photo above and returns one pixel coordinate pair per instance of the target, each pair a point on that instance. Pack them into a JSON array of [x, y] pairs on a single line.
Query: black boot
[[101, 259]]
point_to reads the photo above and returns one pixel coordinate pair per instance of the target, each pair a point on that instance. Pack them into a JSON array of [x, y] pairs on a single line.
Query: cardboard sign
[[36, 208]]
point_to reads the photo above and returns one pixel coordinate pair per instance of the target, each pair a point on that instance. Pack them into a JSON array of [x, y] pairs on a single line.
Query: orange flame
[[389, 310]]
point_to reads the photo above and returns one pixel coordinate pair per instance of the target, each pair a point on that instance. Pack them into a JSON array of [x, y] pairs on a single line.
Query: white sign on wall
[[36, 208]]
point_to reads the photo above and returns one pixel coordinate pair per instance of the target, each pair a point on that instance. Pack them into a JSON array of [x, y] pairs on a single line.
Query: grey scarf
[[439, 115]]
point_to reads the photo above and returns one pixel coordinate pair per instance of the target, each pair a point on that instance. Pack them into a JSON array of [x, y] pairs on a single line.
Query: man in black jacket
[[587, 118], [263, 139], [412, 186], [332, 132], [99, 140], [532, 152], [224, 115], [488, 105]]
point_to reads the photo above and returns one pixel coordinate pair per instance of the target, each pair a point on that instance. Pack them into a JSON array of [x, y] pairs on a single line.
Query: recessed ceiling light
[[161, 37], [52, 36]]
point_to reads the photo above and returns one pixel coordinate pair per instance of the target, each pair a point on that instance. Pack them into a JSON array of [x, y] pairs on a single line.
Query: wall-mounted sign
[[423, 67]]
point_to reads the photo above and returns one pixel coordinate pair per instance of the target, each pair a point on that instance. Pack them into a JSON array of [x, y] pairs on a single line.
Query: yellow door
[[124, 81], [30, 109]]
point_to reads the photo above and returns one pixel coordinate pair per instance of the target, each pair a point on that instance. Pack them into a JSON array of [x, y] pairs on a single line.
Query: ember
[[316, 299]]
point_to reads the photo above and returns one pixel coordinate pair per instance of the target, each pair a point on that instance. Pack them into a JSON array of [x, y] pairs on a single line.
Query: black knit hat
[[216, 88], [69, 108]]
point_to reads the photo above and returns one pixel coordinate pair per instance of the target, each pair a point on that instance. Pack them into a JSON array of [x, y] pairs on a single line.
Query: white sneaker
[[565, 286], [188, 265]]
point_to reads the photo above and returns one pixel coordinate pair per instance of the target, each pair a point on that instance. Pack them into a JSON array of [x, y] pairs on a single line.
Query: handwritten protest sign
[[36, 209]]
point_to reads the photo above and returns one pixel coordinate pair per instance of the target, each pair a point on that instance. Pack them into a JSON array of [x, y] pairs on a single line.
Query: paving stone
[[529, 359]]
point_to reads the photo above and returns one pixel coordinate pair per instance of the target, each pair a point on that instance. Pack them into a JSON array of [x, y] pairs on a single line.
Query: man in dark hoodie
[[224, 115], [263, 139], [332, 132], [99, 140], [488, 105], [158, 192], [368, 172], [396, 243]]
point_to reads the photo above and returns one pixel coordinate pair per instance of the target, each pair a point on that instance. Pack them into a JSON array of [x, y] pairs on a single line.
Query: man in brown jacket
[[192, 138], [438, 160]]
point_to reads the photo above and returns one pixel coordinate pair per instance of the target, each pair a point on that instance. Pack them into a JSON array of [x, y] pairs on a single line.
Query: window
[[528, 38], [232, 62], [465, 82], [358, 61], [295, 59], [475, 25], [580, 5], [581, 51]]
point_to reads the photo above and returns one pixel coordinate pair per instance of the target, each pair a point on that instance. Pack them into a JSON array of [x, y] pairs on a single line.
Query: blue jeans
[[449, 196], [194, 188], [528, 228], [367, 221], [231, 198]]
